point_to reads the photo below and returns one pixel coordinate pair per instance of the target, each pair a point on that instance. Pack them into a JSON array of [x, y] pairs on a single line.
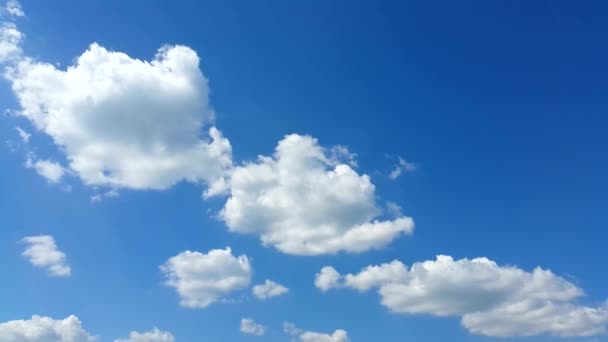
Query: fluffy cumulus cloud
[[44, 329], [201, 279], [311, 336], [327, 278], [304, 200], [42, 252], [125, 122], [250, 327], [153, 335], [269, 289], [492, 300]]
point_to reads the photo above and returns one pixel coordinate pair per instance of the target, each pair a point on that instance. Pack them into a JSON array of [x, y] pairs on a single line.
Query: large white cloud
[[304, 201], [310, 336], [44, 329], [153, 335], [42, 252], [250, 327], [125, 122], [201, 279], [491, 300], [269, 289]]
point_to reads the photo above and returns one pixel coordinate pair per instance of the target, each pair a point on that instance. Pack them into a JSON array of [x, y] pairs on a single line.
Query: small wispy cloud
[[401, 167], [51, 170], [42, 252], [99, 197], [25, 136]]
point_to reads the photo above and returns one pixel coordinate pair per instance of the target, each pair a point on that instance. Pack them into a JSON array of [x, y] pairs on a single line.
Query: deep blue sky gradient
[[501, 104]]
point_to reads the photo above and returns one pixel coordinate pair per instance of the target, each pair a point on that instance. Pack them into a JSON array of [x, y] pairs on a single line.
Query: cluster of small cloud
[[310, 336], [250, 327], [492, 300], [42, 252], [10, 42], [10, 36]]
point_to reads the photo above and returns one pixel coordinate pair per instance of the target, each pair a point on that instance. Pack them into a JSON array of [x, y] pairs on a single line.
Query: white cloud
[[269, 289], [337, 336], [492, 300], [394, 209], [303, 201], [250, 327], [112, 193], [402, 166], [42, 252], [13, 7], [153, 335], [44, 329], [310, 336], [201, 279], [10, 42], [25, 136], [51, 170], [327, 278], [125, 122]]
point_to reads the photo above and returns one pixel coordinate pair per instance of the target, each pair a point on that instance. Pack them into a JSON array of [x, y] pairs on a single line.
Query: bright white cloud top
[[153, 335], [42, 252], [311, 336], [44, 329], [125, 122], [305, 201], [492, 300], [201, 279], [269, 289], [250, 327]]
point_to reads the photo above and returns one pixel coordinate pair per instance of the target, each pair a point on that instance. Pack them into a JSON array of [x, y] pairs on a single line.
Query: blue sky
[[499, 105]]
